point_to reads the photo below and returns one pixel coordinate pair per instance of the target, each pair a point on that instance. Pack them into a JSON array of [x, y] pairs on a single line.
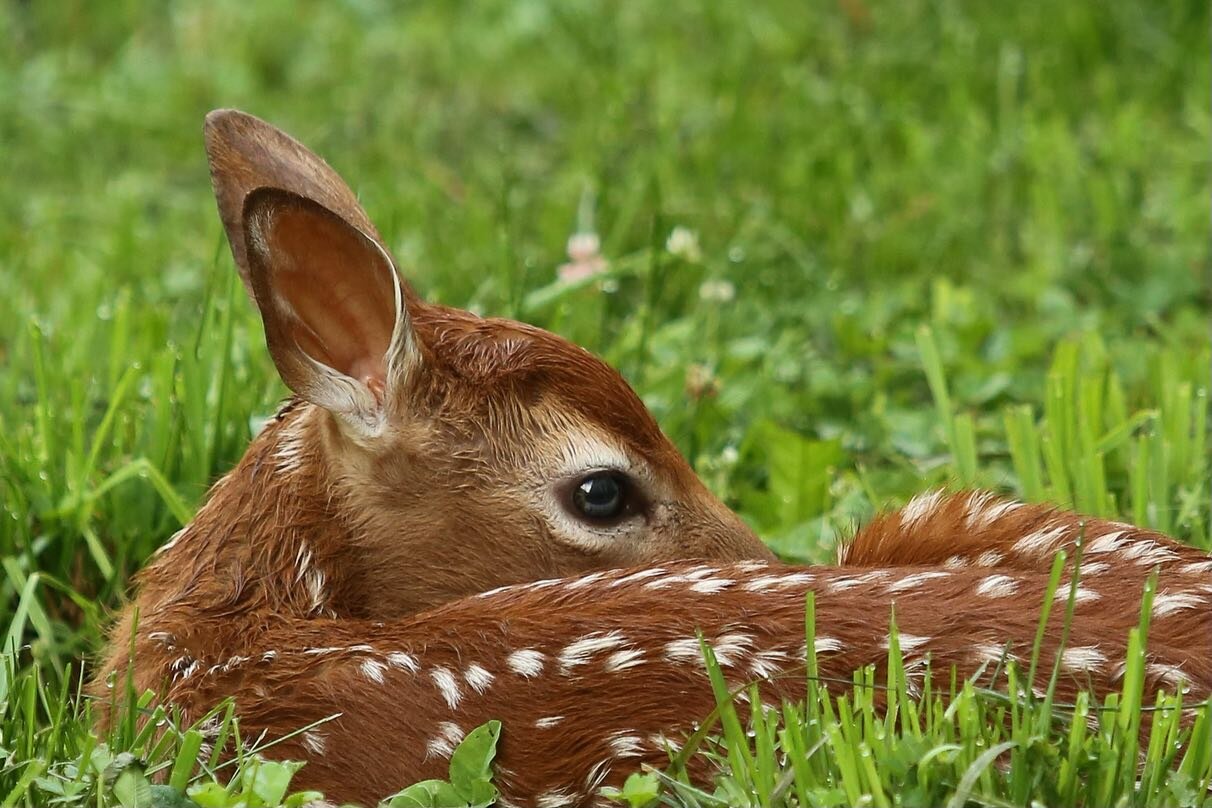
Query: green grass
[[965, 243]]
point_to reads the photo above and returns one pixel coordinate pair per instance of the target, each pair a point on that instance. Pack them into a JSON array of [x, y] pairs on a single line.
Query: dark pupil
[[599, 496]]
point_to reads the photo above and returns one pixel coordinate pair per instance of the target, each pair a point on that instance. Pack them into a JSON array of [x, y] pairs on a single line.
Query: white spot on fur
[[290, 449], [1172, 675], [231, 663], [751, 566], [498, 590], [915, 580], [761, 583], [662, 741], [794, 579], [981, 513], [543, 584], [1094, 568], [1196, 568], [315, 590], [598, 773], [915, 675], [477, 678], [622, 660], [443, 744], [920, 507], [585, 580], [1040, 543], [548, 721], [908, 642], [642, 575], [1148, 553], [210, 727], [373, 670], [997, 586], [448, 686], [302, 562], [1082, 595], [163, 638], [1165, 603], [1083, 658], [527, 662], [325, 650], [991, 653], [314, 742], [729, 648], [683, 650], [625, 745], [826, 645], [183, 667], [559, 798], [955, 562], [709, 586], [844, 583], [977, 500], [578, 652], [1108, 542], [690, 576], [989, 558], [765, 664], [403, 661]]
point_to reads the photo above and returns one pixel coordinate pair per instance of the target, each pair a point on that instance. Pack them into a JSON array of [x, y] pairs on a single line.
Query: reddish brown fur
[[978, 528], [390, 715]]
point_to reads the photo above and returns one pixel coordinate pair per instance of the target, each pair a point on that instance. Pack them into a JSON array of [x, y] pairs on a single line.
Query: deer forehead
[[503, 363]]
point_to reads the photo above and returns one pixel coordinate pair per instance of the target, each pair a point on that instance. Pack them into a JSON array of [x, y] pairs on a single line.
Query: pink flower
[[585, 258]]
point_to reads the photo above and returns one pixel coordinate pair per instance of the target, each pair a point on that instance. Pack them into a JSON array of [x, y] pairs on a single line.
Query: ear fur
[[332, 303], [246, 153]]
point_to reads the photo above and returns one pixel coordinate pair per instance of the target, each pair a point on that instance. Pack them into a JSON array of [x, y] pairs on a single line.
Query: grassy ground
[[919, 243]]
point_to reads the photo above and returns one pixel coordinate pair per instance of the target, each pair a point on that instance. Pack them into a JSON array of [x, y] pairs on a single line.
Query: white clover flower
[[684, 243], [717, 291]]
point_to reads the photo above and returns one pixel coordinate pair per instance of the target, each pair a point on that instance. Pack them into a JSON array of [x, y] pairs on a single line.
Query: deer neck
[[268, 539]]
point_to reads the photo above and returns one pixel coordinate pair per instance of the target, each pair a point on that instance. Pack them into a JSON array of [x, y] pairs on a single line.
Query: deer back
[[981, 529]]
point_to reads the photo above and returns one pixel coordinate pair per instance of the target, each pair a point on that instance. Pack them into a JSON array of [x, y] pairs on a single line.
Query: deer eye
[[602, 496]]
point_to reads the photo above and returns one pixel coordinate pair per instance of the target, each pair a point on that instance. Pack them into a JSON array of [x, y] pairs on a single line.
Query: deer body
[[593, 676]]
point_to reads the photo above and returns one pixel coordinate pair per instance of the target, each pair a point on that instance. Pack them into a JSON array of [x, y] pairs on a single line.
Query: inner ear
[[335, 320], [339, 287]]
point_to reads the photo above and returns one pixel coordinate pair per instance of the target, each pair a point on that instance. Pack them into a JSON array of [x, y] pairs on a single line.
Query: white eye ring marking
[[580, 456]]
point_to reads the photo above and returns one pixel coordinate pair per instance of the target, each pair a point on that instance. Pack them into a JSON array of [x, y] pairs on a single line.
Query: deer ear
[[332, 303], [246, 153]]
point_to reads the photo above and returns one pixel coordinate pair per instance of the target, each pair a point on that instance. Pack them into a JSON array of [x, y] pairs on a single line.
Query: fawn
[[430, 455]]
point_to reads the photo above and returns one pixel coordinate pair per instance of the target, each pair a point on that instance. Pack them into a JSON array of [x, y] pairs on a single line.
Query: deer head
[[431, 453]]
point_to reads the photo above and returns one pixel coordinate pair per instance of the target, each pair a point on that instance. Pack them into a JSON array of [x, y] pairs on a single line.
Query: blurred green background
[[917, 243]]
